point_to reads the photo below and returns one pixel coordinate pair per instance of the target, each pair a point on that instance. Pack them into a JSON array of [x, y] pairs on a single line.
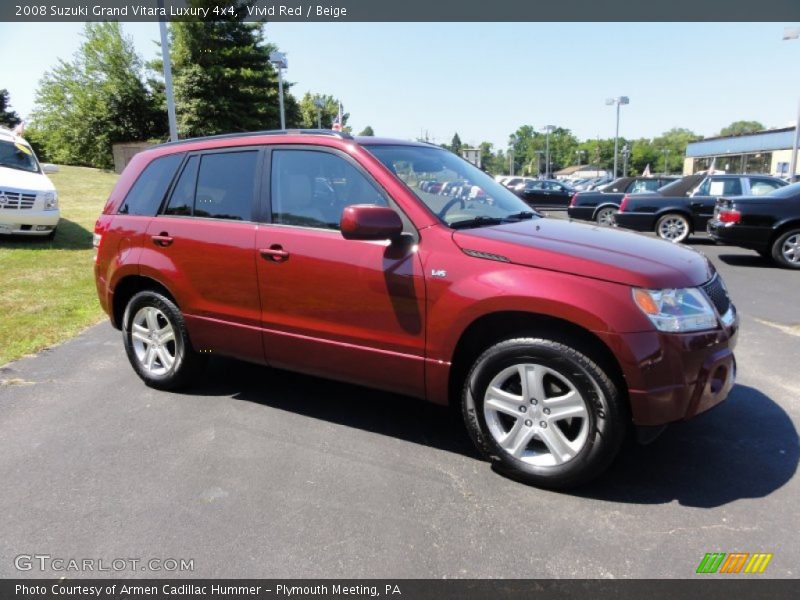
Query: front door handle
[[163, 239], [275, 253]]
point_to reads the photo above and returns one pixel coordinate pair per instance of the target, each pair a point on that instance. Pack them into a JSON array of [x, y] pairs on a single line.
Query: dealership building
[[763, 152]]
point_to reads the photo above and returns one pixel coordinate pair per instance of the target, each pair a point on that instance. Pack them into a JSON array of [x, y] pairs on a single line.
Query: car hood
[[591, 251], [24, 180]]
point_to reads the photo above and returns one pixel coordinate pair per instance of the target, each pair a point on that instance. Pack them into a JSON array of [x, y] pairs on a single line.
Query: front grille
[[716, 292], [16, 200]]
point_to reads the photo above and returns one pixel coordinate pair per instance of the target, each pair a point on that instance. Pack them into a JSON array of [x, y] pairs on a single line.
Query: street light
[[320, 105], [512, 141], [547, 129], [793, 33], [619, 100], [278, 60]]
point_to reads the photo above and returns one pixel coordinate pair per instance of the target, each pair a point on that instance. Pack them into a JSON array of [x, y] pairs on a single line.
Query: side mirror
[[48, 168], [370, 222]]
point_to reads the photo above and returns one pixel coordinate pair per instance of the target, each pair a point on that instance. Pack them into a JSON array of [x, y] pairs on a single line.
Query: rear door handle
[[163, 239], [275, 253]]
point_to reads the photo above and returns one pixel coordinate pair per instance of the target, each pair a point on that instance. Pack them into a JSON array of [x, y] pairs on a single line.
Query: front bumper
[[28, 222], [676, 376]]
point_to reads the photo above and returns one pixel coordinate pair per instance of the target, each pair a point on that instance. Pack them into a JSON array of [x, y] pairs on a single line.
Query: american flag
[[646, 172], [337, 122]]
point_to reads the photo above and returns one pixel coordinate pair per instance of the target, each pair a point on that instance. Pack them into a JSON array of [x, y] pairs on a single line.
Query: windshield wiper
[[520, 216], [479, 221]]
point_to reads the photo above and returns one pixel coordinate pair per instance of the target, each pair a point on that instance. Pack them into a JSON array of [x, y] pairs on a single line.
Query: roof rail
[[331, 132]]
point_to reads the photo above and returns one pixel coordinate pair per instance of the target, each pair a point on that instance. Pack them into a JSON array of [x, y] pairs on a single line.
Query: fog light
[[43, 228]]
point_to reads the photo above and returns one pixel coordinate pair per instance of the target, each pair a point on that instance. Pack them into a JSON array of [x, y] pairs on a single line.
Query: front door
[[350, 310]]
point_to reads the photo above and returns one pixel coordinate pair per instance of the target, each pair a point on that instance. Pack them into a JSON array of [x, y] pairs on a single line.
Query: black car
[[546, 193], [769, 224], [602, 204], [685, 206]]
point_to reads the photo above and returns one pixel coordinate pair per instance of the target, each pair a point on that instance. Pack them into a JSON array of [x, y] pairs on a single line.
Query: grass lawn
[[47, 291]]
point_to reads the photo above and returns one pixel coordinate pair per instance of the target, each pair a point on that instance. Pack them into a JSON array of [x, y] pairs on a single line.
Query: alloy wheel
[[536, 414], [790, 249], [673, 229], [153, 339], [605, 216]]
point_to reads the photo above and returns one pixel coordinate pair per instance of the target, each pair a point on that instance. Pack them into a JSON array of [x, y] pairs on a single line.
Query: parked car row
[[754, 211]]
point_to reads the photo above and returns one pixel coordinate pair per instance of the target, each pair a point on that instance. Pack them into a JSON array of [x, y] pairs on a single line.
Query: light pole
[[793, 33], [319, 104], [278, 60], [619, 100], [167, 65], [512, 141], [538, 154], [547, 129], [626, 153]]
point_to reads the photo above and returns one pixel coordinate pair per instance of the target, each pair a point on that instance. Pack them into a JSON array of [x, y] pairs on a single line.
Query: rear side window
[[225, 186], [146, 195], [216, 186], [759, 187]]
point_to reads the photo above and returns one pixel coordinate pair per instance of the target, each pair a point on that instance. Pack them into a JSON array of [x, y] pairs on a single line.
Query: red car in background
[[320, 253]]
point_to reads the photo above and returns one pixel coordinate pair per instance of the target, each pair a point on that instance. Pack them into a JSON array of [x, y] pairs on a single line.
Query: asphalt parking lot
[[262, 473]]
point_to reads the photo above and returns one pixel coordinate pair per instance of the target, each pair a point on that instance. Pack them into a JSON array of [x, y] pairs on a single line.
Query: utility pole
[[278, 60], [167, 67], [547, 129], [793, 33]]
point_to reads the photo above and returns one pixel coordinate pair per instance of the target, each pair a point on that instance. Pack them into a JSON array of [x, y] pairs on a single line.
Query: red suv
[[331, 255]]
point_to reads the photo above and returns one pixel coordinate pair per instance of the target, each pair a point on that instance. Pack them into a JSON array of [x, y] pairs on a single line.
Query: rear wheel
[[605, 216], [157, 342], [786, 249], [543, 412], [673, 227]]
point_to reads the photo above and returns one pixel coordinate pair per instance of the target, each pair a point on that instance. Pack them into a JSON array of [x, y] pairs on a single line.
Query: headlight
[[50, 200], [676, 310]]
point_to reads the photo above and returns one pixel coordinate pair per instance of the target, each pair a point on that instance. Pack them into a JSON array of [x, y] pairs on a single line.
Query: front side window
[[310, 188], [473, 198]]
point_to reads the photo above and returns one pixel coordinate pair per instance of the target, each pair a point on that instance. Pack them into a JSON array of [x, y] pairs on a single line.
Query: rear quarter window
[[146, 195]]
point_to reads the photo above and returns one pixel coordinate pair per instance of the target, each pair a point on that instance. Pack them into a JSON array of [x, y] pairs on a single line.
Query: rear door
[[347, 309], [202, 247]]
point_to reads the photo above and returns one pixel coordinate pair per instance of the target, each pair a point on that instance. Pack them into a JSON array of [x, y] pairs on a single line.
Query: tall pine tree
[[223, 79], [8, 117]]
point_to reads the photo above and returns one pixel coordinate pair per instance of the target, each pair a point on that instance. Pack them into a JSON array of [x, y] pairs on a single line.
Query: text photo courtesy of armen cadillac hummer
[[297, 296]]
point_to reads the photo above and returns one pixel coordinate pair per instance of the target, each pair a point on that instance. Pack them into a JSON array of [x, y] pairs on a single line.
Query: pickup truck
[[685, 206], [601, 205]]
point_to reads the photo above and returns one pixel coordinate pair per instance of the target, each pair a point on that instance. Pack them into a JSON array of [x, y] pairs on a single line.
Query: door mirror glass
[[370, 222]]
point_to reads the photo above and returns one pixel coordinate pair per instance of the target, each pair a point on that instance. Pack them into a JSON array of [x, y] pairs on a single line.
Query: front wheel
[[786, 249], [543, 412], [673, 228], [605, 216], [157, 342]]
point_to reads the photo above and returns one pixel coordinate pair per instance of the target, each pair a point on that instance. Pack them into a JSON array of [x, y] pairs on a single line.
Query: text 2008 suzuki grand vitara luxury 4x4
[[351, 259]]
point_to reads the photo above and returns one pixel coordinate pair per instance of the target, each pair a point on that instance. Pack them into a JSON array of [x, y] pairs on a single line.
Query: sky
[[483, 80]]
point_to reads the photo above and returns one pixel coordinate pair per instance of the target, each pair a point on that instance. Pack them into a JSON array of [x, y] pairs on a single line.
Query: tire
[[786, 249], [167, 362], [500, 416], [605, 216], [673, 227]]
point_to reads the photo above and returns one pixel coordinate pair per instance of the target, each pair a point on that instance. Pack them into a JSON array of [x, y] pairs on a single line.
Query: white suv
[[28, 199]]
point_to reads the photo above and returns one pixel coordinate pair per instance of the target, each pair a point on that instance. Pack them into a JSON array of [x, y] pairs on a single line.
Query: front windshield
[[456, 191], [16, 155]]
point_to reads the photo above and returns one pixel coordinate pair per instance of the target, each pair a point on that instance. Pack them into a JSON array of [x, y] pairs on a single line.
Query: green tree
[[223, 79], [311, 114], [8, 117], [456, 144], [531, 147], [367, 131], [741, 128], [671, 146], [98, 99]]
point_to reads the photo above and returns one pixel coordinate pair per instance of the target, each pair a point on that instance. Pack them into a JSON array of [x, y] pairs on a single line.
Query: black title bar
[[404, 10]]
